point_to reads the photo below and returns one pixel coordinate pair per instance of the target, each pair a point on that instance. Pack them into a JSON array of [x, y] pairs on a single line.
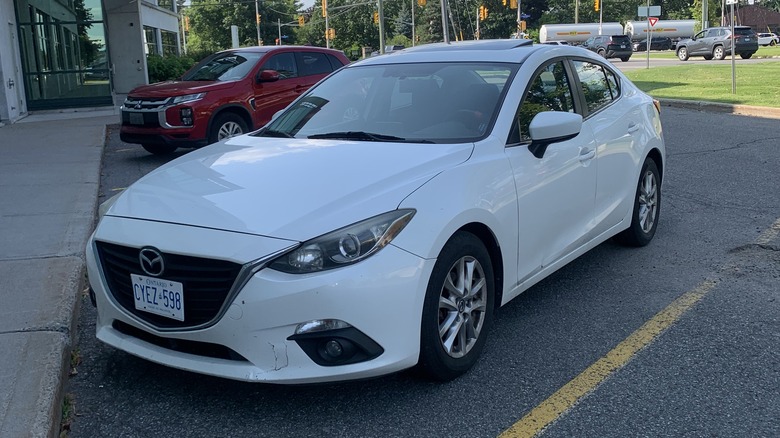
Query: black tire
[[718, 53], [708, 57], [772, 43], [226, 125], [682, 53], [444, 306], [602, 53], [745, 55], [625, 58], [159, 149], [646, 209]]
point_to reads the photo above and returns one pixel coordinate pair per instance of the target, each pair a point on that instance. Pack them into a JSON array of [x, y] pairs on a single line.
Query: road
[[715, 372]]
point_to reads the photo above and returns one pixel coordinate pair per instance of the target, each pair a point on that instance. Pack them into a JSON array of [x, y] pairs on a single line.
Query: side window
[[549, 91], [614, 84], [335, 62], [594, 85], [313, 63], [284, 63]]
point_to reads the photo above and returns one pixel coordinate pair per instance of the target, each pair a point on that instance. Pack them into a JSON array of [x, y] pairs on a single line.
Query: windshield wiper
[[274, 133], [358, 135]]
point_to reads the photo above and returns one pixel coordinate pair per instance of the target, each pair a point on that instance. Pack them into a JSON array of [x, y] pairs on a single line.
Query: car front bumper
[[382, 297]]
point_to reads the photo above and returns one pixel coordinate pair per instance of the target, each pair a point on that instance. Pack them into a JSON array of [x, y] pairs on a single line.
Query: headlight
[[345, 246], [103, 208], [188, 98]]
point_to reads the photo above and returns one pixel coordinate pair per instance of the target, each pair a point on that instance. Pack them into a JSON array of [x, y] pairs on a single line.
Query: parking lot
[[713, 372]]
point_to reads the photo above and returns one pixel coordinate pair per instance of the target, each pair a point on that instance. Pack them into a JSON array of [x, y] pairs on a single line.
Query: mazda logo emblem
[[151, 261]]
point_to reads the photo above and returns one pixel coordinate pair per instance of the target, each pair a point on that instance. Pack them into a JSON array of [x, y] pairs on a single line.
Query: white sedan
[[768, 39], [380, 220]]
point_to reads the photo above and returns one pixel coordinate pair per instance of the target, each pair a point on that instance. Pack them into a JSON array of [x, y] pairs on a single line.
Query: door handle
[[586, 155], [633, 127]]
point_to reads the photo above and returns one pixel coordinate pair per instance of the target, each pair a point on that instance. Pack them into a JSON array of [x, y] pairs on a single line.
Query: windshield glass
[[423, 103], [223, 67]]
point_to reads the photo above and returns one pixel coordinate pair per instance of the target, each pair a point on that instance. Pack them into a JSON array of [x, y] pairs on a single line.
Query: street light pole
[[257, 23], [444, 22]]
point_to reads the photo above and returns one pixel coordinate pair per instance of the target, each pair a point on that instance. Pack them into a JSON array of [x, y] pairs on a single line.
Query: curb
[[727, 108]]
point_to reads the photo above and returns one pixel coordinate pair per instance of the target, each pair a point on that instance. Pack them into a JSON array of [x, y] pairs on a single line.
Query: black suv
[[656, 43], [715, 43], [611, 46]]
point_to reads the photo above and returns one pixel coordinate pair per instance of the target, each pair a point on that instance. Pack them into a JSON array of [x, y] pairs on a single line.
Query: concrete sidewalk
[[49, 180]]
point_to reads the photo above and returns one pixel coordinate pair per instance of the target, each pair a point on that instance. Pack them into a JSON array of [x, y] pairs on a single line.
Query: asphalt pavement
[[49, 181]]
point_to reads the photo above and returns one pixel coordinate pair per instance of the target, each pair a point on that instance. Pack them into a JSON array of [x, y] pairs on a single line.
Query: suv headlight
[[188, 98], [345, 246]]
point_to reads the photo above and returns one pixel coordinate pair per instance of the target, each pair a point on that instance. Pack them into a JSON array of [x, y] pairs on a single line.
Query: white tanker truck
[[577, 33], [674, 29]]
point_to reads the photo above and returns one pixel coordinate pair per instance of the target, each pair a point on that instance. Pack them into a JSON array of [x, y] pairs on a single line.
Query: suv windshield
[[228, 66], [424, 103]]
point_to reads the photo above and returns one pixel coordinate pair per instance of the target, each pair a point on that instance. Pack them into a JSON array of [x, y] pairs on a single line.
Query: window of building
[[170, 44]]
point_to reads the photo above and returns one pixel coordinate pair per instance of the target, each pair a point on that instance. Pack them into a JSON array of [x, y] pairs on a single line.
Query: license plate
[[159, 296], [622, 46], [136, 118]]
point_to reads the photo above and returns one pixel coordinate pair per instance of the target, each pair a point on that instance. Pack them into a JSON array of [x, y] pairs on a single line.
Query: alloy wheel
[[462, 306], [229, 129], [648, 201]]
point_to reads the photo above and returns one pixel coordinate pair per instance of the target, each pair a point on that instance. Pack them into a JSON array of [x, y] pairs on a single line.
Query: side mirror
[[268, 76], [550, 127]]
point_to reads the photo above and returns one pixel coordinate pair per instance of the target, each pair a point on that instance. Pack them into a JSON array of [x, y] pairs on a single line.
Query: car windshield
[[421, 103], [229, 66]]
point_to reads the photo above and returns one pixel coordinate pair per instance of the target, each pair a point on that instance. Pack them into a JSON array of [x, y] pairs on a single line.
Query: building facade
[[59, 54]]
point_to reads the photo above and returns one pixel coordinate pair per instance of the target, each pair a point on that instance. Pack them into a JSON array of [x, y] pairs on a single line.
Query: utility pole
[[381, 27], [257, 23], [445, 32], [279, 23]]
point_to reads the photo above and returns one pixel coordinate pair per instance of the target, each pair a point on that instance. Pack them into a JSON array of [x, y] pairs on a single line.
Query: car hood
[[293, 189], [179, 88]]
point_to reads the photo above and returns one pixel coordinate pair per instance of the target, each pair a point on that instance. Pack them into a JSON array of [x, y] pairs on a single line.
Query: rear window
[[744, 31], [618, 39]]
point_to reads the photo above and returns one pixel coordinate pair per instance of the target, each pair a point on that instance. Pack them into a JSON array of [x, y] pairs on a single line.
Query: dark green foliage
[[167, 68]]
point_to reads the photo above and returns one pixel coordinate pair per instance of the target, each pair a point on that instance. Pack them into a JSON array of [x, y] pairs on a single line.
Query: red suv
[[228, 93]]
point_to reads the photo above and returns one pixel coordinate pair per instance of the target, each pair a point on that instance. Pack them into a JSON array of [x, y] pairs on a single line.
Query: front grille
[[145, 103], [181, 345], [206, 283], [150, 119]]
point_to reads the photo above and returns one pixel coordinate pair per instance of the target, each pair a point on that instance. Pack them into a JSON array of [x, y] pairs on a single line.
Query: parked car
[[715, 43], [556, 42], [379, 221], [226, 94], [656, 43], [610, 46], [767, 39]]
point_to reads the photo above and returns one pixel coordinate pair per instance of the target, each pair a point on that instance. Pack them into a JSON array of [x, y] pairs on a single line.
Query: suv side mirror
[[268, 76]]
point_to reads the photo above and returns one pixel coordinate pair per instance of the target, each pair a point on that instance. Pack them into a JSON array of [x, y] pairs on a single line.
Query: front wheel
[[682, 53], [226, 125], [718, 53], [647, 207], [458, 308]]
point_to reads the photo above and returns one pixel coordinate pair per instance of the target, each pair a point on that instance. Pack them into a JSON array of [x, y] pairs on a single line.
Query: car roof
[[499, 50]]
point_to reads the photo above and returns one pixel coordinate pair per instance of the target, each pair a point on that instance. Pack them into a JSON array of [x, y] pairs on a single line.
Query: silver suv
[[715, 43]]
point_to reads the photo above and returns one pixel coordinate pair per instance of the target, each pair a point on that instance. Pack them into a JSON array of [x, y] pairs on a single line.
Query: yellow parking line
[[769, 234], [565, 398]]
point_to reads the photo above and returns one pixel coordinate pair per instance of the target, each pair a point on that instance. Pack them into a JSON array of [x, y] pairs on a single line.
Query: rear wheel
[[745, 55], [625, 58], [682, 53], [602, 53], [647, 206], [159, 149], [226, 125], [458, 308], [718, 53]]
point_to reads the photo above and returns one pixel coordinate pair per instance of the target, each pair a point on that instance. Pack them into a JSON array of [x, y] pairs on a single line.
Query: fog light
[[186, 116], [333, 349]]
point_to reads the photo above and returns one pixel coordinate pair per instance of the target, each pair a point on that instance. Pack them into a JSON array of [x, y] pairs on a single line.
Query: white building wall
[[159, 18], [12, 100], [125, 44]]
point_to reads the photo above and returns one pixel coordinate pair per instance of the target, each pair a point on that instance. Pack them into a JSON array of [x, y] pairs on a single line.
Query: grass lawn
[[757, 84]]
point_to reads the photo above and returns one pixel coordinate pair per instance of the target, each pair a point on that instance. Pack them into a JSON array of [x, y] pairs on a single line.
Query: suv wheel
[[718, 53], [226, 125], [745, 55], [602, 53], [158, 149], [682, 53]]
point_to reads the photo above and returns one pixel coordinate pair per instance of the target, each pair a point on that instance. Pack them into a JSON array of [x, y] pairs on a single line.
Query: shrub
[[167, 68]]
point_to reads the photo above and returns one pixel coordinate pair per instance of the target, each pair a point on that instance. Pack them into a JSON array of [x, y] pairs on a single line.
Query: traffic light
[[376, 17], [330, 33], [512, 4], [503, 2], [258, 18], [483, 12], [324, 8], [596, 5], [421, 2], [301, 20], [522, 25]]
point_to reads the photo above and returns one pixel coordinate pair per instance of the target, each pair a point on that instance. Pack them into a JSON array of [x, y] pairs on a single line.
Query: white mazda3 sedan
[[380, 220]]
